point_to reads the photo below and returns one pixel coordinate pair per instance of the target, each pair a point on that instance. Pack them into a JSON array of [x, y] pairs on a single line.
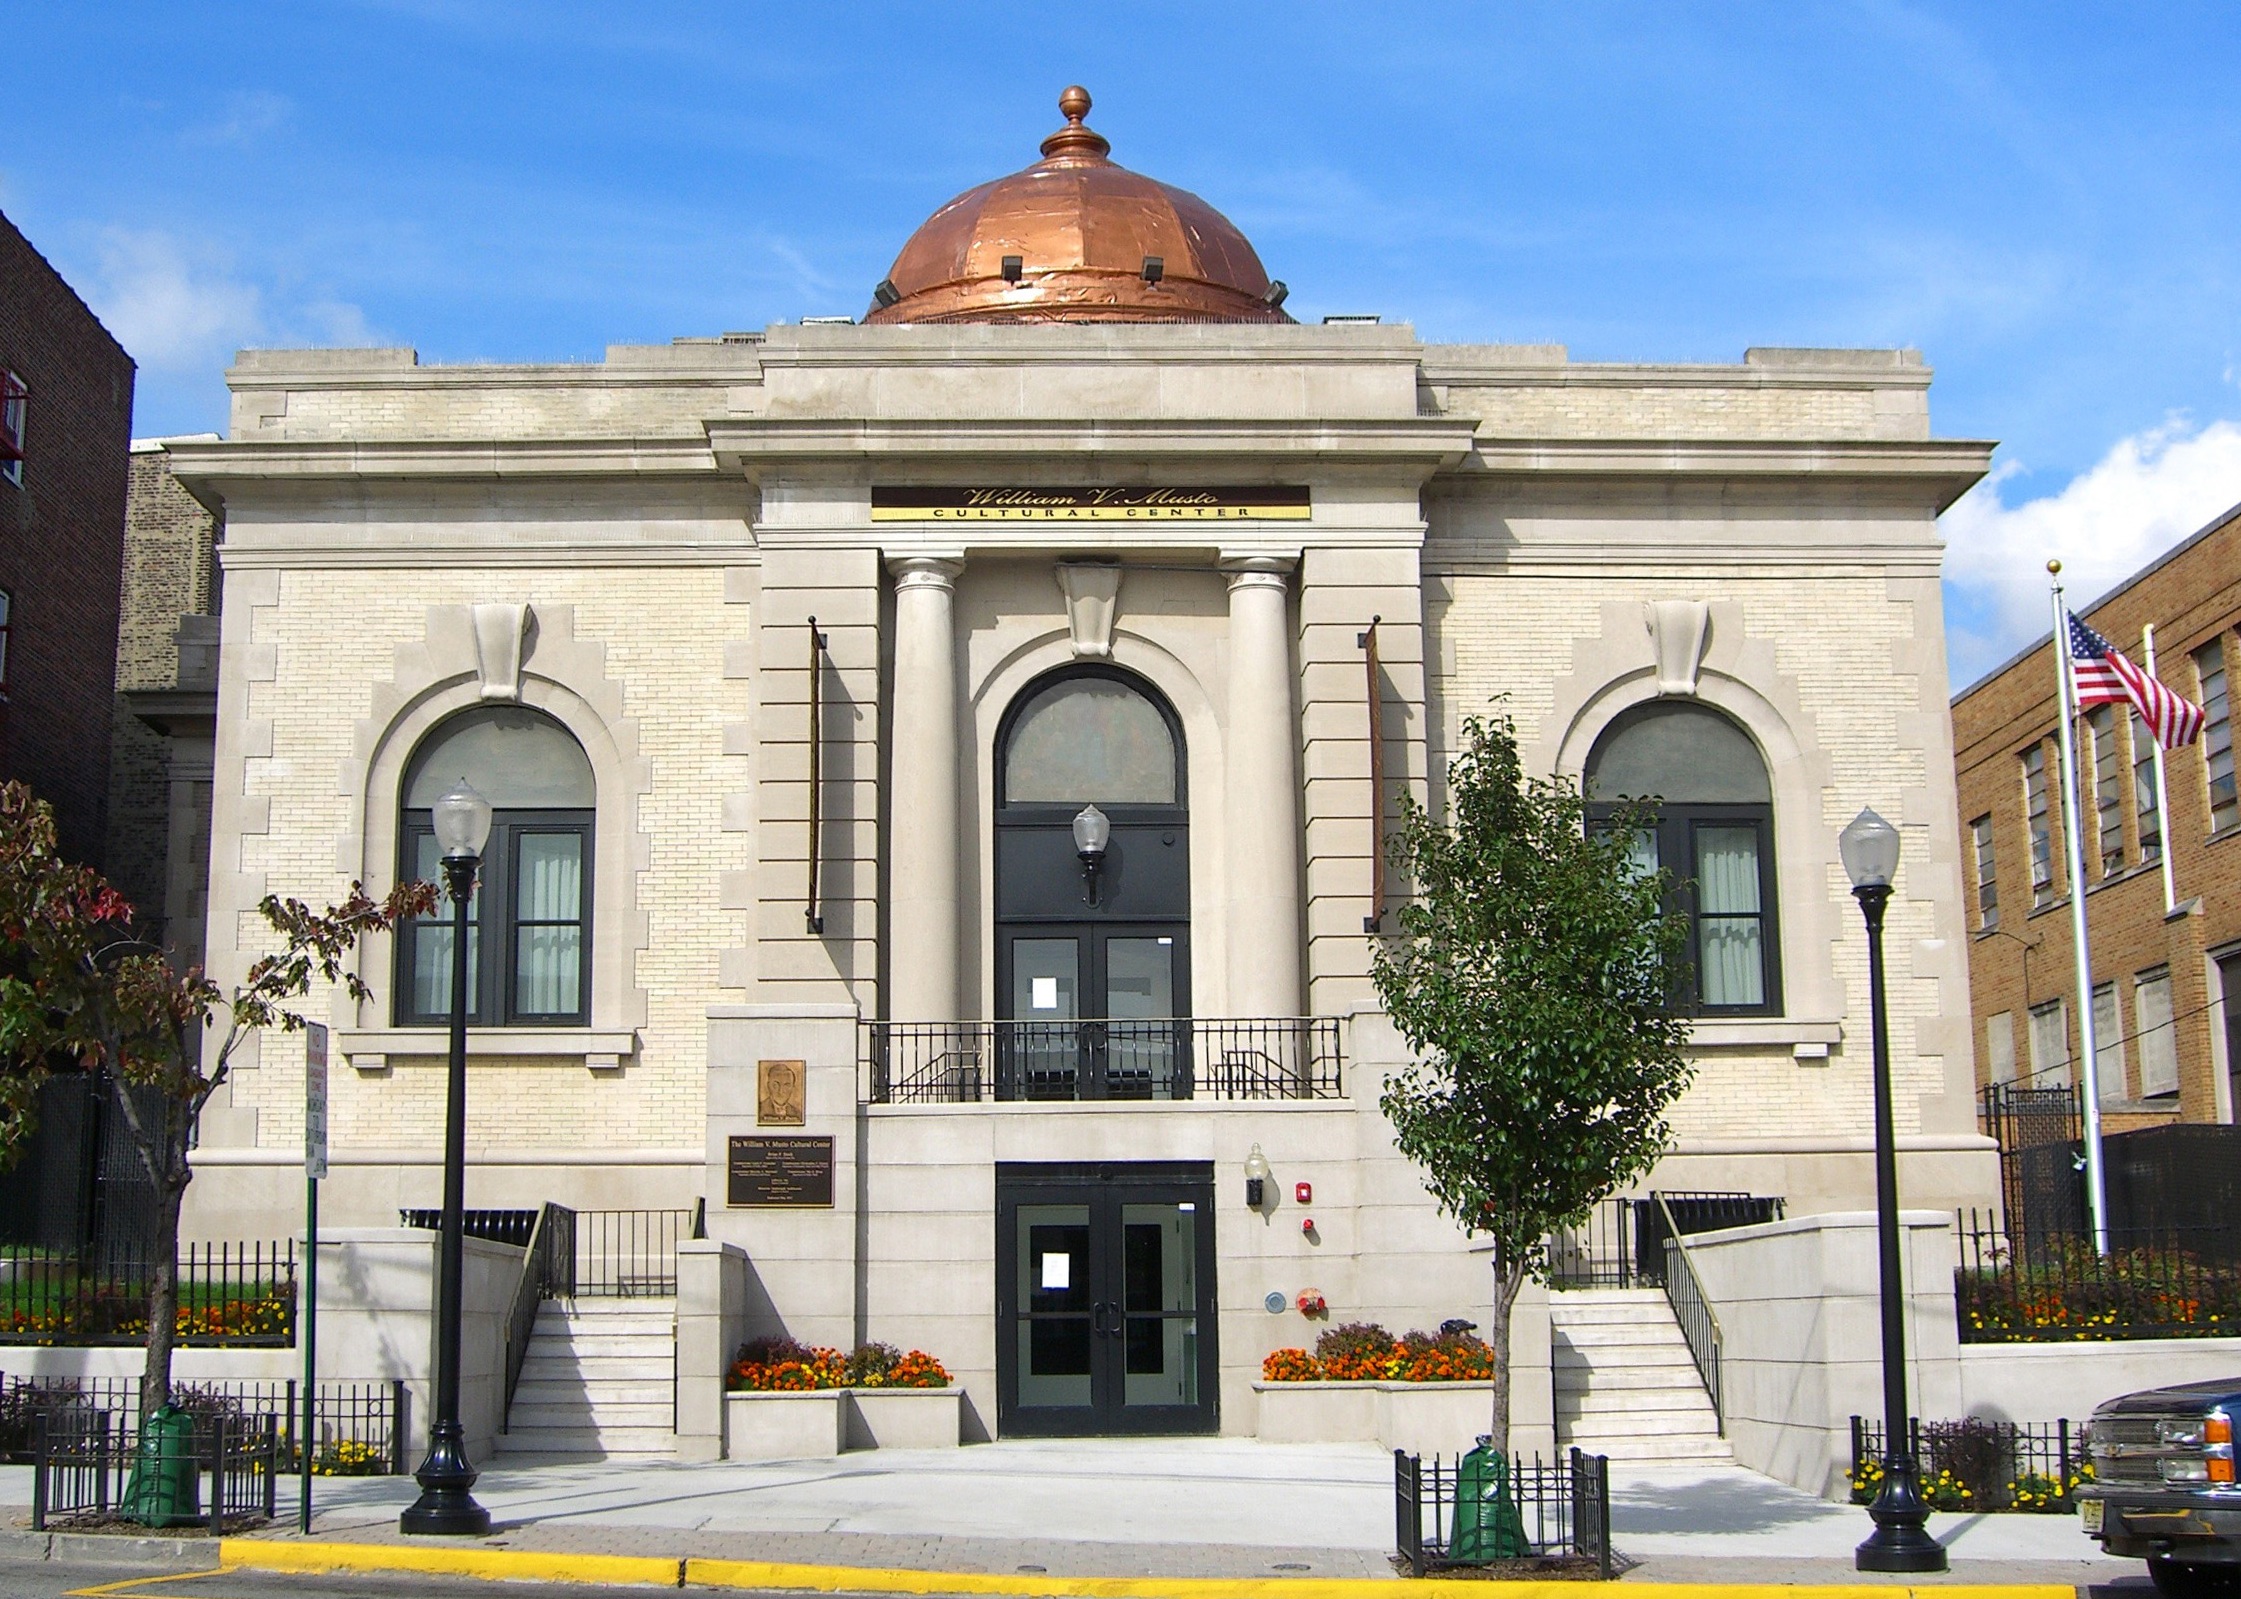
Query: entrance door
[[1094, 1012], [1105, 1299]]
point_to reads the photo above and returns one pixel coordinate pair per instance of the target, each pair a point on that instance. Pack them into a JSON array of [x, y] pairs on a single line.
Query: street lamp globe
[[1093, 829], [461, 818], [1870, 847]]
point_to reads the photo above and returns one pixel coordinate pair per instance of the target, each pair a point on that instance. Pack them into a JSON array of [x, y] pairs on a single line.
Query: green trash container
[[165, 1489], [1487, 1526]]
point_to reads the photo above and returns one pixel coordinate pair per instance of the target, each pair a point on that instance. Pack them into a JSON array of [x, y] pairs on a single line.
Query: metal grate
[[1561, 1509], [1165, 1058]]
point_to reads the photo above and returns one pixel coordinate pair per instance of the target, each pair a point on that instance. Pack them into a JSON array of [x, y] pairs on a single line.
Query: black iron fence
[[1974, 1464], [631, 1253], [2035, 1287], [1622, 1242], [358, 1428], [1475, 1512], [1692, 1311], [497, 1226], [229, 1293], [90, 1467], [1184, 1057]]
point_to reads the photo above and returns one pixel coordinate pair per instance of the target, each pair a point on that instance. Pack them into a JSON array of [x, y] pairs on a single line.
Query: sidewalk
[[1201, 1507]]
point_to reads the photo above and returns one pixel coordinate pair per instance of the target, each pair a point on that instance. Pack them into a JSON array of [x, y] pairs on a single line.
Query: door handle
[[1097, 1318]]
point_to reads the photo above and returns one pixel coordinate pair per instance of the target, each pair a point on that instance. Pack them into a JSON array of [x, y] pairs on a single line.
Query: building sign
[[780, 1173], [1250, 503]]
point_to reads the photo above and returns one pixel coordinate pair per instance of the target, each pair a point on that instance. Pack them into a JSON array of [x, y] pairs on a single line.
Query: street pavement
[[1212, 1507]]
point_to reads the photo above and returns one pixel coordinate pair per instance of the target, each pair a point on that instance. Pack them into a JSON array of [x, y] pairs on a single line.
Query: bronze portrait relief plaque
[[781, 1093]]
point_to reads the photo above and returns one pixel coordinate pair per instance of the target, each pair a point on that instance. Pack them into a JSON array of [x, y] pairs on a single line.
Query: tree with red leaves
[[80, 991]]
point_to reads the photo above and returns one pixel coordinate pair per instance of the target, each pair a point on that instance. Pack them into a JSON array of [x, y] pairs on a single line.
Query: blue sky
[[2046, 200]]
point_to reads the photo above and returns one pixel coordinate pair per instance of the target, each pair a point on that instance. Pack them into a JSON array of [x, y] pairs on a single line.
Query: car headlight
[[2181, 1432]]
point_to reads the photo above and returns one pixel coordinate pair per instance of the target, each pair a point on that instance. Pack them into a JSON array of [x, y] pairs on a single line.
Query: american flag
[[2105, 677]]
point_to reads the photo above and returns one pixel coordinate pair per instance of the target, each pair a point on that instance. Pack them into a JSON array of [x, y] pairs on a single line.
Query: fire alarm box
[[1303, 1193]]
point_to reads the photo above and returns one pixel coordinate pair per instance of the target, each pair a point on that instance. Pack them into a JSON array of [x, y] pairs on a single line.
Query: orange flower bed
[[1364, 1352]]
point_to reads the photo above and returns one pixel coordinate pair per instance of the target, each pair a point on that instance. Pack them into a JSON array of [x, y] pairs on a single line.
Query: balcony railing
[[1165, 1058]]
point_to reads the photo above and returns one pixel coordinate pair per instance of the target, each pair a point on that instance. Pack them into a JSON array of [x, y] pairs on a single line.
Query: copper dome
[[1076, 238]]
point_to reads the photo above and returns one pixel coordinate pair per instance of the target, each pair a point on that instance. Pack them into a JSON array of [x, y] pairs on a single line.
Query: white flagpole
[[2162, 794], [2096, 1187]]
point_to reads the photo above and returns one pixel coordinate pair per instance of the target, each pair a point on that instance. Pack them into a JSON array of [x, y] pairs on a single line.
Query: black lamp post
[[446, 1504], [1901, 1541]]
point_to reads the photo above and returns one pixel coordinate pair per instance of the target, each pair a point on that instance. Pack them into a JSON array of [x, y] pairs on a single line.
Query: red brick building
[[2166, 976], [65, 430]]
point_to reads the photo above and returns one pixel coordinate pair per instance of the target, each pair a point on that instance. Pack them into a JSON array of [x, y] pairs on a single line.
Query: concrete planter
[[1421, 1417], [785, 1426], [904, 1418]]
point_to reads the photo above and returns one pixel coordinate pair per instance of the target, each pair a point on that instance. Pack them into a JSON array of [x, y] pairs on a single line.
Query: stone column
[[922, 795], [1262, 837]]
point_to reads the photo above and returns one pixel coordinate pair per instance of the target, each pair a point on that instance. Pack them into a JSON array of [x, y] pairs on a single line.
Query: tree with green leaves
[[80, 991], [1533, 974]]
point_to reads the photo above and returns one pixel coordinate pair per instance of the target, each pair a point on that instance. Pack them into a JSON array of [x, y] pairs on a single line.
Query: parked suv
[[2163, 1485]]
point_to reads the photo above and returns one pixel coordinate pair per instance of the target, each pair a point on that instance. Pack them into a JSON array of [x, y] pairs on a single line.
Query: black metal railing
[[497, 1226], [229, 1293], [1166, 1058], [1530, 1512], [2001, 1465], [548, 1271], [358, 1427], [226, 1469], [1621, 1244], [1692, 1310], [2038, 1287], [629, 1254]]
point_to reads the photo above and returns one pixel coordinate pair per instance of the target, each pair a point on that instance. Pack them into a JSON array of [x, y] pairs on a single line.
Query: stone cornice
[[1424, 443]]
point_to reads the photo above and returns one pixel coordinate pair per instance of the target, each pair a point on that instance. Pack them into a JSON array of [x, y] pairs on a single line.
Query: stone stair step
[[555, 1390], [1637, 1423], [1644, 1380], [1694, 1408], [1660, 1452], [589, 1441], [525, 1418]]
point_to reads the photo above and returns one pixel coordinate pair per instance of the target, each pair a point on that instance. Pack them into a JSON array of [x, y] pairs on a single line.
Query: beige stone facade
[[1564, 542]]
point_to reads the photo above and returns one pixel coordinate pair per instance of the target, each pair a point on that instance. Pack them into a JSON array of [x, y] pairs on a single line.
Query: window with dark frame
[[2217, 735], [1713, 828], [2108, 788], [15, 408], [2039, 826], [1987, 874], [7, 620], [529, 918], [2147, 804]]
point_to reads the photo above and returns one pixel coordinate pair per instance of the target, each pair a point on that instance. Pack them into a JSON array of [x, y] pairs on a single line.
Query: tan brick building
[[813, 644], [2167, 975]]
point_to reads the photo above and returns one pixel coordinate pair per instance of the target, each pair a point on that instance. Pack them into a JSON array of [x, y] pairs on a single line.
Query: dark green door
[[1105, 1299]]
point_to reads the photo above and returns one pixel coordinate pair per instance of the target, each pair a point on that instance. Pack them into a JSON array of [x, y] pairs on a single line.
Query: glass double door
[[1093, 1012], [1105, 1299]]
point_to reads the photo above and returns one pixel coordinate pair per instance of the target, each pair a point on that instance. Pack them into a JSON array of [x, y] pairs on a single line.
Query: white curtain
[[431, 939], [1731, 958], [548, 889]]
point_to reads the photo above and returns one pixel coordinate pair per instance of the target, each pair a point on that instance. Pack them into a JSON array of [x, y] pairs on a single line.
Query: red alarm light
[[1303, 1193]]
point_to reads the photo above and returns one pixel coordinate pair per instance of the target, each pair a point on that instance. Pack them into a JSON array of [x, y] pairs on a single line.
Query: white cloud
[[168, 308], [2150, 491]]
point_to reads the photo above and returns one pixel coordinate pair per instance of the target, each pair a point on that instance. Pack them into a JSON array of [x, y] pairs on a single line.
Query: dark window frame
[[15, 416], [496, 923], [1676, 828]]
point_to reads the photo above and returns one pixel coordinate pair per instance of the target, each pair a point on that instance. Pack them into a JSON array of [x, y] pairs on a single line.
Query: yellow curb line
[[515, 1565], [525, 1565]]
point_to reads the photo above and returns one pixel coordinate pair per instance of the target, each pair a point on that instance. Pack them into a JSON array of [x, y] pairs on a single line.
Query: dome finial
[[1074, 141]]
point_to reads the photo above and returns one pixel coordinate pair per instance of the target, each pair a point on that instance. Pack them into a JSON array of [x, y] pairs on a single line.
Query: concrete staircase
[[597, 1380], [1626, 1386]]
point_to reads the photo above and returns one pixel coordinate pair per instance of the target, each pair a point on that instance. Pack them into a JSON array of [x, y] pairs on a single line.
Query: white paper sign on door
[[1058, 1271], [1043, 995]]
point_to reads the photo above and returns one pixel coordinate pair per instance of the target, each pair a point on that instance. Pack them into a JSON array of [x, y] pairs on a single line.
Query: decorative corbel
[[500, 628], [1677, 634], [1092, 593]]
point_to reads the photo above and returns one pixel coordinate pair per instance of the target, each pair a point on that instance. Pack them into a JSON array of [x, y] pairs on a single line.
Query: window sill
[[1807, 1040], [378, 1048]]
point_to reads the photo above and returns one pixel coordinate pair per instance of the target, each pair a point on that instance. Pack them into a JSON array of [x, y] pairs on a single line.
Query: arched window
[[531, 911], [1108, 947], [1714, 830]]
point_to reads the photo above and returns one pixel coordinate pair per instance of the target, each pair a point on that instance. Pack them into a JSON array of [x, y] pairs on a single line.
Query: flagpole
[[2162, 794], [2096, 1188]]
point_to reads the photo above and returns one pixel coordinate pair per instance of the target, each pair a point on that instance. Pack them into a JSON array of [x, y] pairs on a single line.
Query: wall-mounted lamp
[[1013, 267], [886, 293], [1275, 294], [1155, 268], [1093, 830], [1256, 1179]]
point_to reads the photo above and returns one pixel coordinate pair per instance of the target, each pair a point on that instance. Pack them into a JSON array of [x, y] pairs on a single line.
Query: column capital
[[927, 569], [1258, 568]]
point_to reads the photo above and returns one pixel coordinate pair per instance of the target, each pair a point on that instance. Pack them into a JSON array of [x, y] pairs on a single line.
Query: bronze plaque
[[780, 1098], [780, 1173], [1274, 502]]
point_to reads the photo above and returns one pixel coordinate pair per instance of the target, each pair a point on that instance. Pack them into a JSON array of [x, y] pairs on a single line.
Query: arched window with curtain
[[1713, 828], [529, 922]]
